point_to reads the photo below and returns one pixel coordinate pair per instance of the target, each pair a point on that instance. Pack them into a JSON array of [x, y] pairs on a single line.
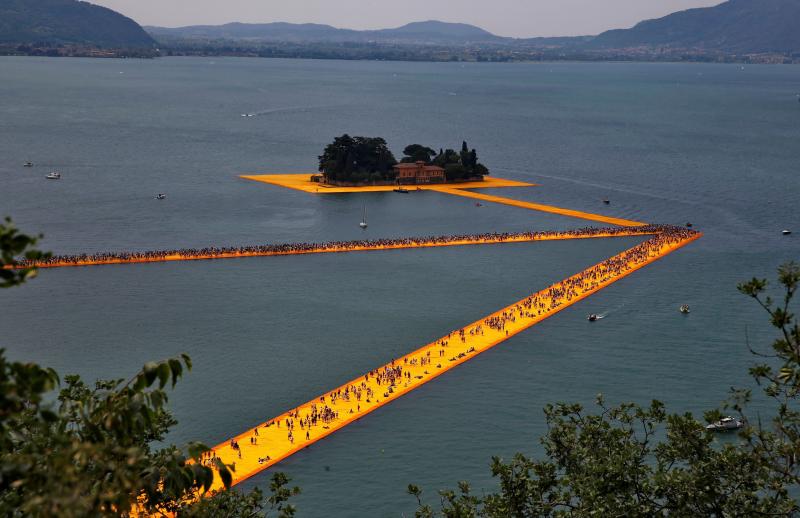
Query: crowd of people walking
[[332, 246], [334, 409]]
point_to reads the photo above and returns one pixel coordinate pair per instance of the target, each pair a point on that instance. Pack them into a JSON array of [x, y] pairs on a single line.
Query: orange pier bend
[[269, 442]]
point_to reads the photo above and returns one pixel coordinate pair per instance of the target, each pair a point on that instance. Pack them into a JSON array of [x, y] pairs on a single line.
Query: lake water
[[716, 145]]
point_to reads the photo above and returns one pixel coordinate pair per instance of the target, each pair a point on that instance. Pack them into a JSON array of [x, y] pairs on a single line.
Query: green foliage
[[357, 159], [234, 503], [460, 165], [89, 451], [14, 245], [417, 153], [90, 455], [636, 461], [362, 159]]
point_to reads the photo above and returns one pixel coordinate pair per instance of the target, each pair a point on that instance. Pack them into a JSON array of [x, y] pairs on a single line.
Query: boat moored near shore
[[727, 424]]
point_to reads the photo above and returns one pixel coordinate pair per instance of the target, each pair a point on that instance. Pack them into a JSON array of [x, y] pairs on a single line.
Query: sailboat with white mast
[[363, 223]]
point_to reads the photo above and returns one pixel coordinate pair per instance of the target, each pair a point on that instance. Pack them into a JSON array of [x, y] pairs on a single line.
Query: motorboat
[[592, 318], [161, 196], [607, 201], [786, 232], [27, 164], [684, 309], [727, 424], [689, 225], [479, 204], [54, 175], [401, 190], [363, 223]]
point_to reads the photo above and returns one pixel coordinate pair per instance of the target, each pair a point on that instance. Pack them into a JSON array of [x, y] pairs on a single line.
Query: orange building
[[418, 173]]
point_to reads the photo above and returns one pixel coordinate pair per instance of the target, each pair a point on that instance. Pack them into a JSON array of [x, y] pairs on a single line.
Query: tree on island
[[365, 160], [357, 160], [641, 461], [460, 166], [417, 153]]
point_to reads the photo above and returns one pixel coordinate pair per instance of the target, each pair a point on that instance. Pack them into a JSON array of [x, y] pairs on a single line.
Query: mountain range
[[432, 32], [734, 27]]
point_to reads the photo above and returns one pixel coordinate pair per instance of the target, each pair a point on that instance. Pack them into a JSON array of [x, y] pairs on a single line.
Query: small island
[[366, 161]]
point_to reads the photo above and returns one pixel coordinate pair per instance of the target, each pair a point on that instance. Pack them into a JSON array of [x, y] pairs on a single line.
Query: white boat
[[363, 223], [55, 175], [27, 164], [685, 309], [161, 196], [786, 232], [727, 424], [592, 318]]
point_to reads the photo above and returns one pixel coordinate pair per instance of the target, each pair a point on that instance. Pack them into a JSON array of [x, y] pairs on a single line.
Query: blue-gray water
[[716, 145]]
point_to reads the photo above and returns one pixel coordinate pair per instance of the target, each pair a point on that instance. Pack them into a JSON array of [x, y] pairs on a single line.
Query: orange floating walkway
[[302, 182], [334, 247], [538, 206], [276, 439]]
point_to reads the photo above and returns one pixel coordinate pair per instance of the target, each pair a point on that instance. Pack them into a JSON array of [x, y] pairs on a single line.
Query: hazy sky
[[520, 18]]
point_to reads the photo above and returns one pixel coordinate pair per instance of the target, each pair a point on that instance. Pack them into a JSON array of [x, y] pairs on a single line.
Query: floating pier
[[538, 206], [273, 440], [267, 443], [160, 256]]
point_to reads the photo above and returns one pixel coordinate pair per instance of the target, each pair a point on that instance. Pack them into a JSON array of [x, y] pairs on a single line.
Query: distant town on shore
[[762, 31]]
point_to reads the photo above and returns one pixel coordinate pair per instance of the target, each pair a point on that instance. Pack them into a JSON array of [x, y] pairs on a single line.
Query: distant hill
[[739, 26], [68, 22], [418, 32], [438, 31]]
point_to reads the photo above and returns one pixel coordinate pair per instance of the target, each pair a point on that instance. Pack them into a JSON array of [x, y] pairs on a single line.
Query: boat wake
[[285, 109], [609, 312]]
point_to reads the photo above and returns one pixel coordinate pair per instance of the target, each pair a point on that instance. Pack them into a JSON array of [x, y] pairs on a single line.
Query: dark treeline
[[457, 165], [369, 160]]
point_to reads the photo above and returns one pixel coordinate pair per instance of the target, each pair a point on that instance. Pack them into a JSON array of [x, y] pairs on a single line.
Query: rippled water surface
[[712, 144]]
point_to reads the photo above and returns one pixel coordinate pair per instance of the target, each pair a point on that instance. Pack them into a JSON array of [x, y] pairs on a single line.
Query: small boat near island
[[689, 225], [606, 201], [401, 190], [592, 318], [685, 309], [363, 223], [54, 175], [727, 424]]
